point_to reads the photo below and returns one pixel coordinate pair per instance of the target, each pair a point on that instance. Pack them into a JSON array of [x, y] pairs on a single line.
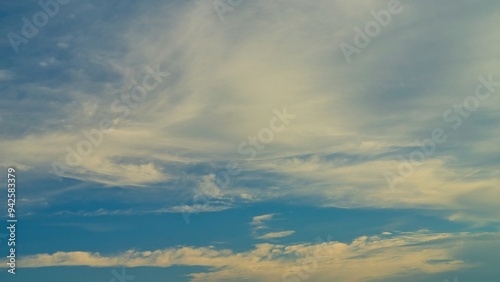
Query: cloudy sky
[[238, 140]]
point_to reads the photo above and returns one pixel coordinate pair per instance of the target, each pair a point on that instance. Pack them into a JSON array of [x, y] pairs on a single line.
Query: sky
[[265, 140]]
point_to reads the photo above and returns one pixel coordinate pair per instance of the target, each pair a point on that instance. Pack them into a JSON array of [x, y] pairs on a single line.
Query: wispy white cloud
[[197, 208], [272, 235], [258, 220], [259, 228]]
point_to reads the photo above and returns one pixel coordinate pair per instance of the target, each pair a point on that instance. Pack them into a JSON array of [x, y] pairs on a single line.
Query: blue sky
[[262, 140]]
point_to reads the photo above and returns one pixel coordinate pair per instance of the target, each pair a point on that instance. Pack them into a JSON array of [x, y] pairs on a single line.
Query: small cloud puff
[[280, 234]]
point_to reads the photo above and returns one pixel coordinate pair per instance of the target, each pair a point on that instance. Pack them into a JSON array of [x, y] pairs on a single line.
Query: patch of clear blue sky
[[229, 229]]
